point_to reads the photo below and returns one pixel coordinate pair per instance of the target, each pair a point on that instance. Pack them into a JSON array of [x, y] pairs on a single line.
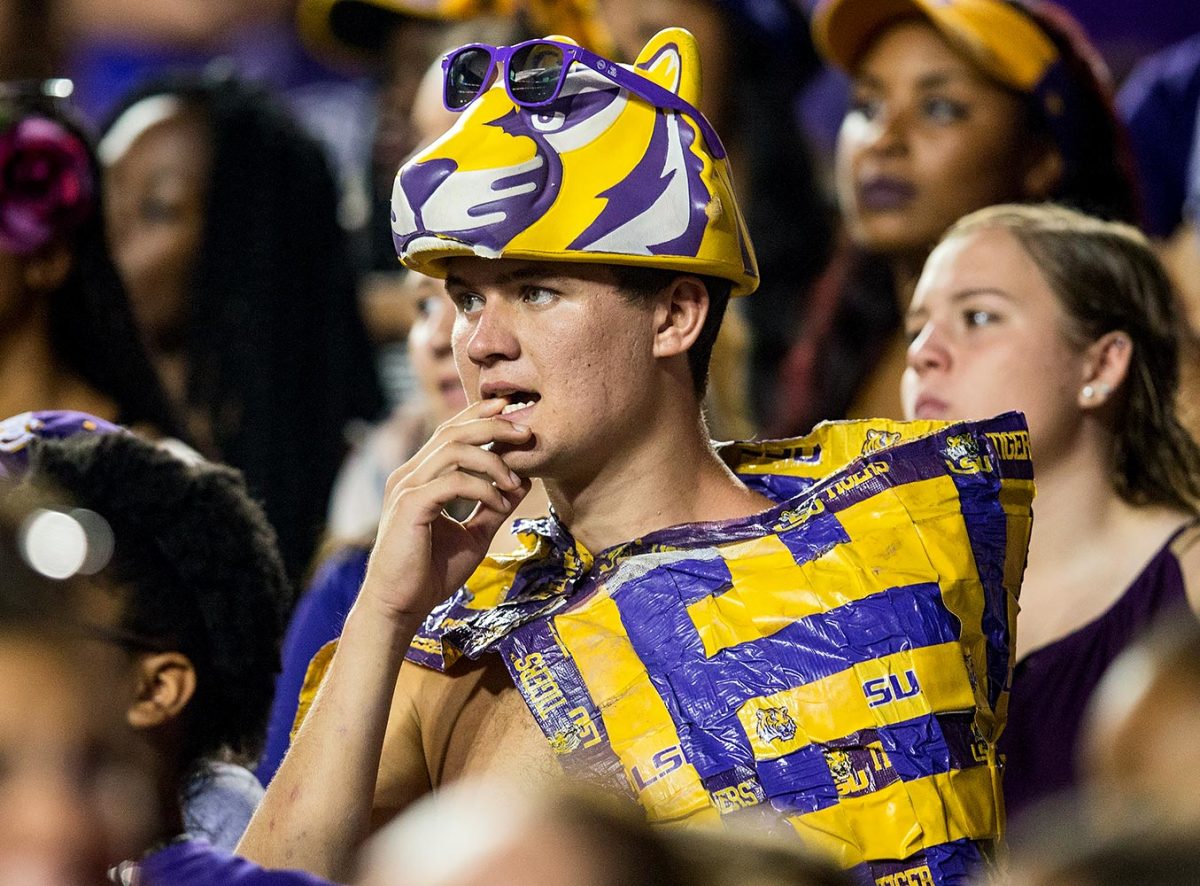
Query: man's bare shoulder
[[468, 722]]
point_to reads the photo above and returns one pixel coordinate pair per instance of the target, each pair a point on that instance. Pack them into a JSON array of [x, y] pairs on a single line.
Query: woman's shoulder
[[1184, 547]]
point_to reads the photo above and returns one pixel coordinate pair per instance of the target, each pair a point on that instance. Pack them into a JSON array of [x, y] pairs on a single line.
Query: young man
[[677, 632]]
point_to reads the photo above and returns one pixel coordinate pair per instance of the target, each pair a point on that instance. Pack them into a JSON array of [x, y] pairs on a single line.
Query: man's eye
[[468, 302], [538, 296]]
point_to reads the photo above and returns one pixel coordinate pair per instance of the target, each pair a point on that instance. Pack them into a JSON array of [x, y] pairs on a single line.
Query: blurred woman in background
[[224, 225], [955, 106], [67, 335]]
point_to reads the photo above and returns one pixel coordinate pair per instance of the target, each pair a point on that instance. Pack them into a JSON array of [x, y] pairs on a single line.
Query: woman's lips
[[885, 194]]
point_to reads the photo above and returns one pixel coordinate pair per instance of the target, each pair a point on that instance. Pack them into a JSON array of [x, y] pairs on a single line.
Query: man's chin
[[525, 460]]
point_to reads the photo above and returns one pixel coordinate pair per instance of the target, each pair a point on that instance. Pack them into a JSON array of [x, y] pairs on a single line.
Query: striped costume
[[837, 666]]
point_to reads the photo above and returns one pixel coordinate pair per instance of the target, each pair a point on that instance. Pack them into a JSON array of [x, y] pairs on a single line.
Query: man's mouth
[[518, 399]]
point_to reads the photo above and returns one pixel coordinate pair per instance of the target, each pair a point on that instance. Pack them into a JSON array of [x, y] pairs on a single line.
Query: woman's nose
[[928, 350]]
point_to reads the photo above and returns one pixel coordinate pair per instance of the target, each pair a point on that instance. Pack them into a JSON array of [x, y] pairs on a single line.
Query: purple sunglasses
[[534, 73]]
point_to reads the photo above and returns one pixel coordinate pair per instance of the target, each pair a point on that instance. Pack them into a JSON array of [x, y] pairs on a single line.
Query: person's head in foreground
[[1140, 759], [73, 800], [1070, 320], [962, 104], [589, 236], [195, 586], [1059, 844], [494, 834]]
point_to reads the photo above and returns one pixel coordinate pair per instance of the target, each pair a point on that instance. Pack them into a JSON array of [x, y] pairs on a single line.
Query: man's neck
[[652, 488]]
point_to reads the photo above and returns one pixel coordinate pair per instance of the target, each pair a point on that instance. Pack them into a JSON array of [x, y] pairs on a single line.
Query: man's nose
[[493, 336]]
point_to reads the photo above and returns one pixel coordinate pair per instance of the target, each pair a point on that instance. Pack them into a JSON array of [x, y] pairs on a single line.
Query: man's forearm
[[317, 809]]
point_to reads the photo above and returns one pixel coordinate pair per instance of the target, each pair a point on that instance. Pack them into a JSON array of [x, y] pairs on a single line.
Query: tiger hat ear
[[671, 59]]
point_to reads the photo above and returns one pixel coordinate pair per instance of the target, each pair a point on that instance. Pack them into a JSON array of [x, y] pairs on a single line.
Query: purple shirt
[[1052, 686], [196, 863], [319, 618]]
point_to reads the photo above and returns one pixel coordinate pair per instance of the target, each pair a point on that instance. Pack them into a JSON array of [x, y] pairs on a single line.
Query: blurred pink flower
[[46, 184]]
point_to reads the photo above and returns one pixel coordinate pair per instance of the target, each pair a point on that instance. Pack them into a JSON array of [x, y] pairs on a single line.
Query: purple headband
[[17, 432]]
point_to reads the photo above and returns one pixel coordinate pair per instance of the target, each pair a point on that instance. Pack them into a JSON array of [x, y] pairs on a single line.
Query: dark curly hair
[[278, 356], [195, 561]]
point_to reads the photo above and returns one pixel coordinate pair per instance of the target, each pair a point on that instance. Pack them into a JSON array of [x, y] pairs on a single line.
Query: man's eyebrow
[[518, 275]]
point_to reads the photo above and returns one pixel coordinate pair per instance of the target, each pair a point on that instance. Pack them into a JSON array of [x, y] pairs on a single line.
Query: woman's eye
[[425, 305], [154, 209], [865, 106], [943, 110], [979, 318]]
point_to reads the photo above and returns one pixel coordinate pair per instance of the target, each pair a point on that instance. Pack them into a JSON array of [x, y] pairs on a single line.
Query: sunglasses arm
[[651, 92]]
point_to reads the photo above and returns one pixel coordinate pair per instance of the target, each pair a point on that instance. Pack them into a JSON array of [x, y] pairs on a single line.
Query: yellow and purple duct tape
[[837, 667], [598, 176]]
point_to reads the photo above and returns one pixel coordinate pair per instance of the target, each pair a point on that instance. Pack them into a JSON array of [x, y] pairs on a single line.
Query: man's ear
[[46, 269], [680, 315], [1106, 366], [166, 682]]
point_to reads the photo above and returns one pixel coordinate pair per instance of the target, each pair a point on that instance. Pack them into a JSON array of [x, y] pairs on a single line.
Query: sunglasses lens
[[534, 73], [466, 77]]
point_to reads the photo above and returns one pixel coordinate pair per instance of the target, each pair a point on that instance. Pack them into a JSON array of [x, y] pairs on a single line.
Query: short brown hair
[[642, 284], [1107, 278]]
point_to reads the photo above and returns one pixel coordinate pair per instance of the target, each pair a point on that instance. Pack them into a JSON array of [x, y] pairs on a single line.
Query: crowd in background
[[1008, 218]]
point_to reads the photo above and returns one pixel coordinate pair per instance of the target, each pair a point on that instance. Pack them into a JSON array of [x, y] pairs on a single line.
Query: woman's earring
[[1088, 392]]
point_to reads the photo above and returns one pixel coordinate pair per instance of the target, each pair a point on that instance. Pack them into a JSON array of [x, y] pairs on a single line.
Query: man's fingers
[[464, 457], [487, 520], [468, 428], [429, 499]]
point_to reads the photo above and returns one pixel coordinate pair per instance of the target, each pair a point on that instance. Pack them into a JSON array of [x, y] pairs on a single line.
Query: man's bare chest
[[479, 726]]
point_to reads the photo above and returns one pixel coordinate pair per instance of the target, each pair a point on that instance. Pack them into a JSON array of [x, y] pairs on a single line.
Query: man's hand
[[421, 554], [317, 808]]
